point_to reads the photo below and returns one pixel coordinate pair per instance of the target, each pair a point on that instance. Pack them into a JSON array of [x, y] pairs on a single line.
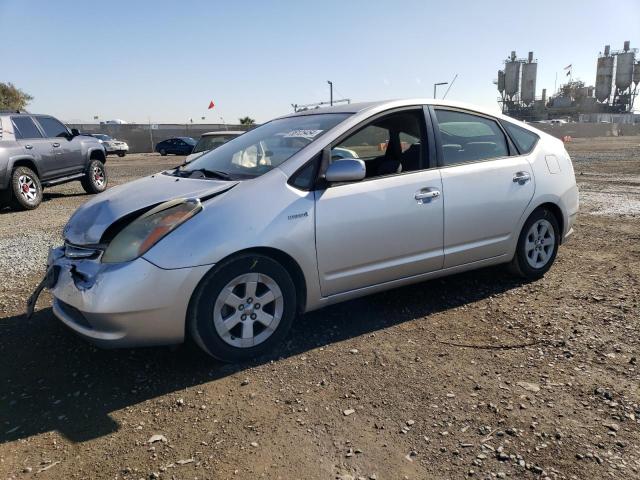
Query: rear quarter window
[[524, 139], [24, 128]]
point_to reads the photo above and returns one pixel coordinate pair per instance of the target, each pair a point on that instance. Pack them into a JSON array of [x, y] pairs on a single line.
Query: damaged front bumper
[[122, 305]]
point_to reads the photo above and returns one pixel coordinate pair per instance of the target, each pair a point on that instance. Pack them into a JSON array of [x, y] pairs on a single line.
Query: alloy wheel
[[28, 188], [248, 310], [540, 243], [98, 176]]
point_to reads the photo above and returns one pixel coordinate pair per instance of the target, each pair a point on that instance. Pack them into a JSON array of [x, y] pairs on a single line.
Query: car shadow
[[54, 380], [46, 196], [5, 206]]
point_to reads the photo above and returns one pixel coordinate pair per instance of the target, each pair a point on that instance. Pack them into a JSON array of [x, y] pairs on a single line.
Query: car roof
[[15, 113], [223, 132], [394, 103], [373, 108]]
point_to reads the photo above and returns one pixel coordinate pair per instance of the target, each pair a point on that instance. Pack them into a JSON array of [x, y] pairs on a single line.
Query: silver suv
[[39, 151]]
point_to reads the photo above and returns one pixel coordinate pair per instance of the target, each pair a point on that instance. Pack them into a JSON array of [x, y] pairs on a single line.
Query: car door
[[67, 149], [486, 186], [29, 136], [389, 225]]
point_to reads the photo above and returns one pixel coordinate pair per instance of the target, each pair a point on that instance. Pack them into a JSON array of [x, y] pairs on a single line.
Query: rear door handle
[[521, 178], [426, 195], [56, 145]]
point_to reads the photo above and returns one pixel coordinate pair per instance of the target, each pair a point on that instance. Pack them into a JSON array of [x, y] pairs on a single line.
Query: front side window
[[25, 128], [389, 145], [52, 127], [265, 147], [524, 139], [469, 138]]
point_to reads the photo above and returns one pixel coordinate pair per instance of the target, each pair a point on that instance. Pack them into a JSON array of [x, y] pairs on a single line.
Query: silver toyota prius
[[307, 210]]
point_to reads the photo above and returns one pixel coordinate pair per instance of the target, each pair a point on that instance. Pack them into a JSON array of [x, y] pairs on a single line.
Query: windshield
[[264, 148], [103, 137], [212, 141]]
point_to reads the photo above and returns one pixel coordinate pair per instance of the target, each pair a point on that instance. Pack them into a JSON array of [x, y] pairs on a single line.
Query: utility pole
[[435, 86], [330, 92], [150, 134]]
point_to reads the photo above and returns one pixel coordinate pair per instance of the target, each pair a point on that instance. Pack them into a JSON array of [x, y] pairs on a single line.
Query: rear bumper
[[125, 305]]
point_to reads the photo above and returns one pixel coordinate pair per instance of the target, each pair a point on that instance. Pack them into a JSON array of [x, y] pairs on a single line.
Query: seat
[[410, 158]]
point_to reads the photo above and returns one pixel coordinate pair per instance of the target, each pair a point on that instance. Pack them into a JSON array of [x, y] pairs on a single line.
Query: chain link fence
[[142, 138]]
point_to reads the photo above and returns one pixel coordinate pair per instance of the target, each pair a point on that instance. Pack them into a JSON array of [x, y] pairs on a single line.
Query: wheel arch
[[288, 262], [555, 209], [28, 162], [97, 154]]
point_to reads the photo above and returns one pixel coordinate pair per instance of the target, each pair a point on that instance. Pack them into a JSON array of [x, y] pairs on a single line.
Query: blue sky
[[165, 60]]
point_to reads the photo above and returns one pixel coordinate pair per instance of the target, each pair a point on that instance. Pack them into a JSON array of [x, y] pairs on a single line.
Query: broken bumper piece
[[123, 305]]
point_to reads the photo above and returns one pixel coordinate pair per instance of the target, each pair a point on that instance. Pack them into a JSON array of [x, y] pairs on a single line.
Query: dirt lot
[[476, 375]]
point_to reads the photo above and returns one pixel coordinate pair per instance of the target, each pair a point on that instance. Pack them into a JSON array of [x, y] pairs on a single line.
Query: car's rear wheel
[[26, 189], [243, 308], [121, 154], [95, 179], [163, 152], [537, 245]]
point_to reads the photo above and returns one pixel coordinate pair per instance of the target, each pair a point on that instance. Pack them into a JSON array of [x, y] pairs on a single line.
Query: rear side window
[[52, 127], [469, 138], [25, 128], [524, 139]]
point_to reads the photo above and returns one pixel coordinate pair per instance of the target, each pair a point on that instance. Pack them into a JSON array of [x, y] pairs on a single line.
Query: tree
[[247, 121], [12, 98]]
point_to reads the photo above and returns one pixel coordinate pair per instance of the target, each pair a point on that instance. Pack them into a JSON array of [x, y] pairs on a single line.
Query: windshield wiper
[[213, 173]]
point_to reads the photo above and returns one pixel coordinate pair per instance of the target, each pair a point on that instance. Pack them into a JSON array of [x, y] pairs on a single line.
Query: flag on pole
[[568, 69], [211, 105]]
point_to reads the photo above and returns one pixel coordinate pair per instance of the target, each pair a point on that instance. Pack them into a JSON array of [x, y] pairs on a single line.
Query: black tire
[[121, 154], [24, 178], [520, 265], [200, 319], [163, 152], [95, 179]]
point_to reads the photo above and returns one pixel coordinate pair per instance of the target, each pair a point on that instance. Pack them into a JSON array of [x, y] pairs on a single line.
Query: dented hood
[[89, 222]]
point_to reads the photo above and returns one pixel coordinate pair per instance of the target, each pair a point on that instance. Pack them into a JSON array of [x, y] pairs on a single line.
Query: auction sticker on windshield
[[303, 133]]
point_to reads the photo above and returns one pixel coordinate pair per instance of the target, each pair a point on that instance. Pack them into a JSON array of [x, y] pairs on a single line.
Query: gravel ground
[[473, 376]]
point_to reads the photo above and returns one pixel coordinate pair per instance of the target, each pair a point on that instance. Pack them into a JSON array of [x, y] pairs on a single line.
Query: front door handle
[[28, 147], [521, 178], [56, 145], [426, 195]]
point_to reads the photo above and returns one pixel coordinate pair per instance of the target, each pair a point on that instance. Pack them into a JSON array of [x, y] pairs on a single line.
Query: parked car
[[111, 145], [38, 151], [176, 146], [229, 253], [210, 141]]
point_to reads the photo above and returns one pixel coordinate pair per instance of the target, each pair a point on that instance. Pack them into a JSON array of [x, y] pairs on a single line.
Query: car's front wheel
[[26, 187], [163, 152], [121, 154], [95, 179], [242, 308], [537, 245]]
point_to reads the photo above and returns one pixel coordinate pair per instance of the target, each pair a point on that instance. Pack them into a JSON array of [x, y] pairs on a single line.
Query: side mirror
[[75, 132], [346, 170]]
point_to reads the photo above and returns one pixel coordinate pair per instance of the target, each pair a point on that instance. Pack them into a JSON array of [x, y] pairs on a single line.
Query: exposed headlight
[[148, 229]]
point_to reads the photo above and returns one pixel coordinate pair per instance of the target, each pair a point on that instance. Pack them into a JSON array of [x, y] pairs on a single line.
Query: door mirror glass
[[75, 132], [346, 170]]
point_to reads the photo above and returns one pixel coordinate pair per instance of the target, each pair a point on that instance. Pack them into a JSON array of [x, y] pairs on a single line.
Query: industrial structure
[[617, 84]]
